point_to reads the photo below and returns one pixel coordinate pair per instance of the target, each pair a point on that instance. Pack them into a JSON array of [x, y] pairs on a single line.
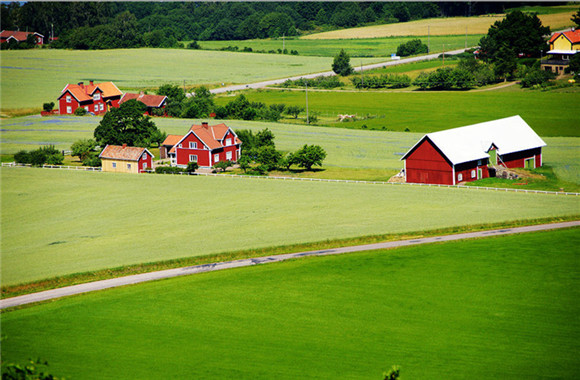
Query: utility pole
[[428, 38], [283, 42], [466, 36], [362, 77], [307, 120]]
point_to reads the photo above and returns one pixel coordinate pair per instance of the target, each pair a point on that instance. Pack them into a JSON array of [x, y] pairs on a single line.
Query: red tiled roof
[[572, 35], [128, 153], [148, 100], [19, 36], [171, 140], [83, 92], [210, 135]]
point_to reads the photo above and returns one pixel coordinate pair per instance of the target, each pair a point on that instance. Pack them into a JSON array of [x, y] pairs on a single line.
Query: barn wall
[[182, 154], [517, 159], [426, 165], [468, 170], [145, 160]]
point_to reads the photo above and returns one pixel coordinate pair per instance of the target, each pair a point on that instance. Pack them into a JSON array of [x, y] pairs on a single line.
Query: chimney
[[205, 125], [91, 82], [82, 84], [124, 146]]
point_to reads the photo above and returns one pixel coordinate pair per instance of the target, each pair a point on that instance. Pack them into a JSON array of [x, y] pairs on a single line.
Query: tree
[[294, 111], [47, 107], [80, 112], [288, 160], [126, 125], [575, 64], [341, 64], [309, 155], [411, 48], [505, 62], [523, 34], [265, 137], [175, 96], [223, 165], [33, 370], [576, 18], [244, 161], [268, 157], [83, 148]]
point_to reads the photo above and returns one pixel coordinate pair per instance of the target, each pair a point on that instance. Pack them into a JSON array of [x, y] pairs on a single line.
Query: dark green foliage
[[575, 64], [341, 64], [92, 160], [268, 157], [382, 81], [504, 62], [223, 165], [83, 148], [264, 137], [533, 76], [33, 370], [576, 18], [422, 81], [192, 166], [157, 137], [318, 82], [245, 162], [198, 106], [48, 106], [22, 157], [38, 157], [169, 170], [412, 47], [446, 78], [518, 32], [309, 155], [393, 373], [80, 111], [294, 111], [175, 97], [126, 125], [193, 45]]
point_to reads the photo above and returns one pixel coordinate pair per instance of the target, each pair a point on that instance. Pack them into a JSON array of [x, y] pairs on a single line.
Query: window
[[114, 165], [129, 166], [460, 177], [216, 157], [101, 106], [565, 57], [179, 146], [228, 142], [229, 156], [479, 163], [473, 174], [68, 109], [97, 96], [144, 165], [68, 99], [96, 107], [87, 108], [192, 145], [192, 158]]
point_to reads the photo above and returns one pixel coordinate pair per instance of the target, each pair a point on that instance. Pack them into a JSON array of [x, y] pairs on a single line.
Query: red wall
[[517, 160], [426, 165], [182, 154], [147, 161], [465, 169], [74, 104]]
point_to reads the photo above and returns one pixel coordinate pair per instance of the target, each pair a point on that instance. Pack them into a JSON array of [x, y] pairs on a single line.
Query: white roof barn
[[472, 142]]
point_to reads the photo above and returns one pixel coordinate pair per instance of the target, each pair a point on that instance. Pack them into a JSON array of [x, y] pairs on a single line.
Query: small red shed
[[463, 154], [151, 101]]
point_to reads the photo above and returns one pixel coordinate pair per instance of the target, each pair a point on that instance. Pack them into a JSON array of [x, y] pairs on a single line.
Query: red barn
[[463, 154], [204, 144], [95, 98], [151, 101]]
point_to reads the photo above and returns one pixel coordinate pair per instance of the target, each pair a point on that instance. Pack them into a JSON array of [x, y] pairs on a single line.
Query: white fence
[[89, 168]]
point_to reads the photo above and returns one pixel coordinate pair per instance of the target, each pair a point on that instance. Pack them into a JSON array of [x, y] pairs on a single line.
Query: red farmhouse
[[151, 101], [463, 154], [15, 36], [204, 144], [95, 98]]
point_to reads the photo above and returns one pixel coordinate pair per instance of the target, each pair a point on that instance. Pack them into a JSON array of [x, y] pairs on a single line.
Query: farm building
[[466, 153], [94, 98], [563, 46], [153, 102], [9, 36], [204, 144], [125, 159]]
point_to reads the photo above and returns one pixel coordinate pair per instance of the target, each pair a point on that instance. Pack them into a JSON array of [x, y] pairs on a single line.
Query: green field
[[369, 47], [57, 222], [33, 77], [504, 307]]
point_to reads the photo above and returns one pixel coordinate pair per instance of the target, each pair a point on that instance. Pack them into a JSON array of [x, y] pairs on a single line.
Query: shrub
[[341, 64], [192, 166], [310, 155], [193, 45], [22, 157], [92, 160], [422, 81], [223, 165], [534, 76], [80, 111], [411, 48], [48, 106], [168, 170]]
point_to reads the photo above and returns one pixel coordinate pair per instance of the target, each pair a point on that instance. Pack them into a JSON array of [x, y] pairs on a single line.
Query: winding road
[[169, 273]]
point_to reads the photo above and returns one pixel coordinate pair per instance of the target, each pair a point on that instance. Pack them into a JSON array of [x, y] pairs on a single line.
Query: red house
[[463, 154], [204, 144], [16, 36], [151, 101], [95, 98]]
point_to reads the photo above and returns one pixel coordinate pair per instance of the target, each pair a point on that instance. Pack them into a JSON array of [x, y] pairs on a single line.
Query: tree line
[[100, 25]]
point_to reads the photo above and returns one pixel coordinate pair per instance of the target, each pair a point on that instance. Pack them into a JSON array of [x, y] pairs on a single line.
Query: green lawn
[[33, 77], [503, 307], [367, 47], [57, 222]]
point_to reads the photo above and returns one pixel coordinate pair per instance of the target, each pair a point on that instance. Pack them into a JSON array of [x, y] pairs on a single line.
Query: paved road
[[329, 73], [144, 277]]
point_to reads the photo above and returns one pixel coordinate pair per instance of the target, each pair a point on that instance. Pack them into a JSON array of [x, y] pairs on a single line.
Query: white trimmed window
[[68, 109], [478, 162], [192, 145], [216, 158], [192, 158], [229, 156], [459, 177], [87, 108], [180, 146], [114, 165], [129, 166], [97, 96], [68, 99], [473, 174], [96, 107], [228, 142], [101, 106], [144, 165]]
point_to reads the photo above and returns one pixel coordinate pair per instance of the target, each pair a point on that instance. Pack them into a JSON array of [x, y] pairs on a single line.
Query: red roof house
[[125, 159], [95, 98], [16, 36], [151, 101], [463, 154], [204, 144]]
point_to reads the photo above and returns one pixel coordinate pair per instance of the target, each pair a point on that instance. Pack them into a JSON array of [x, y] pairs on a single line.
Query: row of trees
[[382, 81], [44, 155], [318, 82]]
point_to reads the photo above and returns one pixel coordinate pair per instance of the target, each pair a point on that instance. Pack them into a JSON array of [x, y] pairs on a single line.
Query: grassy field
[[504, 307], [444, 26], [57, 222], [33, 77], [371, 47]]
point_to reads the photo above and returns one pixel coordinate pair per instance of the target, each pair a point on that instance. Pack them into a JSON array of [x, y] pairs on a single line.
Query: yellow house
[[125, 159], [563, 46]]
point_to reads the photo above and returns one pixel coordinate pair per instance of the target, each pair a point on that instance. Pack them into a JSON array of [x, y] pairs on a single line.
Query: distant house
[[151, 101], [204, 144], [95, 98], [125, 159], [464, 154], [16, 36], [563, 46]]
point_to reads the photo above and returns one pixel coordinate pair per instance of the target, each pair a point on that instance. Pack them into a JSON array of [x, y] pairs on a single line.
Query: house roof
[[572, 35], [172, 140], [19, 36], [127, 153], [83, 92], [148, 100], [210, 135], [569, 52], [472, 142]]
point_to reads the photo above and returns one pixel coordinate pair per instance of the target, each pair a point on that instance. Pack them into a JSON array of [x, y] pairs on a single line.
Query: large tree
[[126, 125], [521, 33], [341, 64], [576, 18]]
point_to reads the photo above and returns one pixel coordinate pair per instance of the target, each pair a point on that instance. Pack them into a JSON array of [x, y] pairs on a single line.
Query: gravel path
[[169, 273]]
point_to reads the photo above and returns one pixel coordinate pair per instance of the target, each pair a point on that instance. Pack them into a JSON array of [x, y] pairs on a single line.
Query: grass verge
[[79, 278]]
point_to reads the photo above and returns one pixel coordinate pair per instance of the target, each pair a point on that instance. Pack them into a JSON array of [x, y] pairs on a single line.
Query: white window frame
[[459, 177], [87, 108], [192, 158], [97, 96], [102, 107], [229, 155], [216, 158], [96, 107], [228, 142], [180, 146], [473, 173], [68, 99], [114, 165], [192, 145], [68, 109]]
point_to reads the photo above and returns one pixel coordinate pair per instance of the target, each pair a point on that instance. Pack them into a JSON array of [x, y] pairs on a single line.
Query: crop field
[[503, 307], [33, 77], [56, 222], [441, 26], [370, 47]]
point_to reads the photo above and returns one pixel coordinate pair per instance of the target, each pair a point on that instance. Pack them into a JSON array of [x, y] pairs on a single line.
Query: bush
[[534, 76], [47, 107], [168, 170], [310, 155], [192, 166], [80, 111], [411, 48], [22, 157], [223, 165], [193, 45], [92, 160]]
